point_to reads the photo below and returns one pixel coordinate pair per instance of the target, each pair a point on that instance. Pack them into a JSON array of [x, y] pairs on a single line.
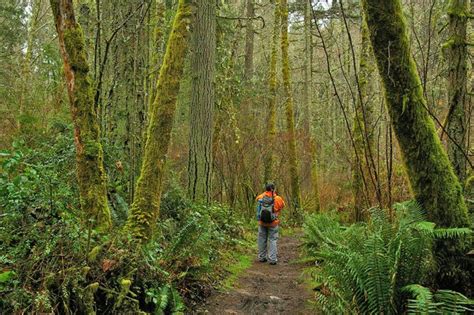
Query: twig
[[240, 18], [336, 93], [107, 47], [368, 152]]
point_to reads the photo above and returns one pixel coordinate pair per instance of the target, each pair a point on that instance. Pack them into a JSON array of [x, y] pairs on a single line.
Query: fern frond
[[378, 282], [453, 302], [441, 302], [164, 297], [425, 227], [423, 302], [450, 233], [410, 210]]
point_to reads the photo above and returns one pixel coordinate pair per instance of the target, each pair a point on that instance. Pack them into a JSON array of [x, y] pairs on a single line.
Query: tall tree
[[91, 176], [430, 173], [202, 102], [363, 139], [457, 118], [272, 84], [289, 112], [146, 204], [307, 99]]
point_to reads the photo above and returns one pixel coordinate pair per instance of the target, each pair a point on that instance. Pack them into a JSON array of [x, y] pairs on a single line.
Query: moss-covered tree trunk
[[363, 139], [289, 113], [457, 118], [156, 48], [270, 132], [91, 176], [146, 205], [430, 173], [307, 101], [202, 102]]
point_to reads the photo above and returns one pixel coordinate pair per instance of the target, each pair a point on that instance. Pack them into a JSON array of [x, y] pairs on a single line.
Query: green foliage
[[166, 300], [441, 302], [364, 267], [240, 263], [52, 263]]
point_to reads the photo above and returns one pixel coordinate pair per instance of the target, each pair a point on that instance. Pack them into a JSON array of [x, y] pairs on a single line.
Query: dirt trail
[[266, 289]]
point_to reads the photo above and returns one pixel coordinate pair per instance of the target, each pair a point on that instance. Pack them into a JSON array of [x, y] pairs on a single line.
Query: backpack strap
[[273, 202]]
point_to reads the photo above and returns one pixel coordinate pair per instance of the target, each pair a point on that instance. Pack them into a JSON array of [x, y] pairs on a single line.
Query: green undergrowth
[[51, 263], [237, 261], [385, 266]]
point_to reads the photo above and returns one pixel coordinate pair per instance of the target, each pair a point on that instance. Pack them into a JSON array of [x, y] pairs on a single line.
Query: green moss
[[75, 46], [92, 148], [459, 8], [272, 85], [85, 271], [89, 156], [289, 114], [146, 206], [431, 176], [455, 51], [241, 262], [363, 142], [469, 194], [92, 256], [429, 171]]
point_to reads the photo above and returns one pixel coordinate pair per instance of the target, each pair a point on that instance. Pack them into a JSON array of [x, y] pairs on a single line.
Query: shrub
[[367, 267], [51, 263]]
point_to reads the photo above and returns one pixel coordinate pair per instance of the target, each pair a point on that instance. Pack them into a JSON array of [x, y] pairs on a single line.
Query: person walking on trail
[[268, 209]]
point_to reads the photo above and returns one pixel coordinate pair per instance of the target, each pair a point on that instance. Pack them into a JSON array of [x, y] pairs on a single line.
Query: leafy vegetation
[[51, 263], [370, 267]]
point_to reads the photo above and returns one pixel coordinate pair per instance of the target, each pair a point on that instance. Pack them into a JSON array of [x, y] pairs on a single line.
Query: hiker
[[268, 209]]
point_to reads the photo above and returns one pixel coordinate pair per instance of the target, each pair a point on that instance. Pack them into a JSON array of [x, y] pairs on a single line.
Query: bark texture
[[430, 173], [249, 40], [456, 121], [156, 48], [307, 112], [91, 176], [289, 112], [146, 205], [269, 158], [363, 139], [202, 102]]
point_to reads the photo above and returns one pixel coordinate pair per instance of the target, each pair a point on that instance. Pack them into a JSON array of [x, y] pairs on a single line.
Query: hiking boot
[[273, 263], [262, 260]]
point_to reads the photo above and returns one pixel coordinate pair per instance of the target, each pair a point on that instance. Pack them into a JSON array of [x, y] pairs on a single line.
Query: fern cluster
[[51, 263], [367, 268]]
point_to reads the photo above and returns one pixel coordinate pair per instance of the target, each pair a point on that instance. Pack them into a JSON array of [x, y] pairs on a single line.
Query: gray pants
[[267, 236]]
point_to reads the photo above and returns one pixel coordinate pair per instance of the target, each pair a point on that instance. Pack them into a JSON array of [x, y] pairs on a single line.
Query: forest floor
[[266, 289]]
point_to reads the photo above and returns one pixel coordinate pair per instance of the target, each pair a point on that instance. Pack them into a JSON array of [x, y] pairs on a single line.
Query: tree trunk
[[146, 205], [202, 102], [249, 41], [456, 121], [25, 95], [307, 97], [290, 124], [272, 84], [91, 176], [156, 48], [362, 124], [430, 173]]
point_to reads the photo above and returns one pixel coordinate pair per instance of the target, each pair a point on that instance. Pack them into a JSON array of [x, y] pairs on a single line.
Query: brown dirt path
[[266, 289]]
